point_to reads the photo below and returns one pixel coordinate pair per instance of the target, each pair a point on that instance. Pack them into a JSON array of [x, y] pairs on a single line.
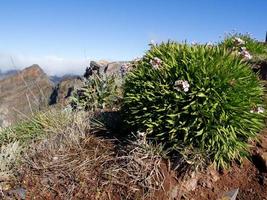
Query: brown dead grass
[[77, 164]]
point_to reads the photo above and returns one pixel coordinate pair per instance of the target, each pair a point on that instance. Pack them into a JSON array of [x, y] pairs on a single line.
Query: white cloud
[[52, 65]]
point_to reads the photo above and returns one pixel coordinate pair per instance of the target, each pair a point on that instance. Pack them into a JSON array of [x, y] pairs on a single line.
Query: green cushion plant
[[195, 95], [245, 45]]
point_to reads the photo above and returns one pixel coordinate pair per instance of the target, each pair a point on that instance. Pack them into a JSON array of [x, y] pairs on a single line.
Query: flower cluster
[[155, 62], [123, 70], [181, 85], [152, 43], [141, 134], [238, 41], [242, 49], [141, 137], [245, 53], [257, 110]]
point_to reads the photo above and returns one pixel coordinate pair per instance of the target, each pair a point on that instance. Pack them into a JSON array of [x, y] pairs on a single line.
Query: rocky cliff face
[[27, 91], [23, 93], [64, 89], [104, 67]]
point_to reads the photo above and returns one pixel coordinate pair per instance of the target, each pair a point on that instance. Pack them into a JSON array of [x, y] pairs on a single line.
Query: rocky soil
[[248, 180]]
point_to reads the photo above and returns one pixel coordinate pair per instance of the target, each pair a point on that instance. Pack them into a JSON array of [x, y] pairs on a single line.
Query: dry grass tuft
[[36, 128], [76, 164], [139, 169], [8, 159]]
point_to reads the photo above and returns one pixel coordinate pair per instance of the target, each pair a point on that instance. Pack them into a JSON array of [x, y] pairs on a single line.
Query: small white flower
[[141, 134], [257, 110], [260, 110], [155, 62], [181, 85], [152, 43], [158, 61], [246, 54], [186, 89], [239, 41], [194, 43]]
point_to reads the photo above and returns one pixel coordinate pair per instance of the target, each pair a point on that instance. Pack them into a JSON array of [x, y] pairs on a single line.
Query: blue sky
[[62, 36]]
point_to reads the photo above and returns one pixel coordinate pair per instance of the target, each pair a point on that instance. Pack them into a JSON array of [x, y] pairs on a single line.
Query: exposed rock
[[114, 67], [208, 178], [23, 93], [190, 184], [64, 89], [57, 79], [104, 67], [231, 195]]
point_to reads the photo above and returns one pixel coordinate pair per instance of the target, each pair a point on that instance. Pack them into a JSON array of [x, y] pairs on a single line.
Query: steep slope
[[64, 89], [23, 93]]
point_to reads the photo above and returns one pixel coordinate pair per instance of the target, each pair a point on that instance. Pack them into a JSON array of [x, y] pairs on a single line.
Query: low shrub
[[197, 95], [100, 92]]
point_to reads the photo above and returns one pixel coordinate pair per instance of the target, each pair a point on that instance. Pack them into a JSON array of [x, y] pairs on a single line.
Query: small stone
[[55, 158], [213, 174], [191, 184], [231, 195], [209, 184]]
